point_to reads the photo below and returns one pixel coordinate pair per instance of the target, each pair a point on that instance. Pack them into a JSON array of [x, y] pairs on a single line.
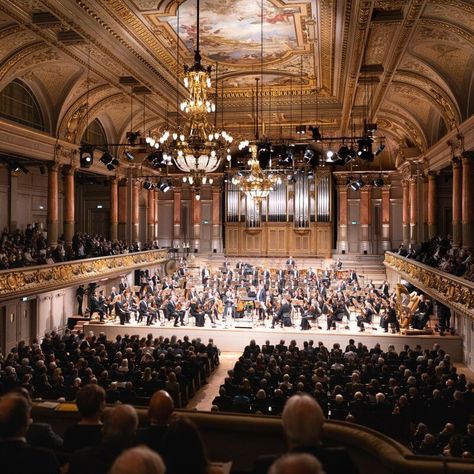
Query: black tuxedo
[[122, 313], [143, 312], [95, 307]]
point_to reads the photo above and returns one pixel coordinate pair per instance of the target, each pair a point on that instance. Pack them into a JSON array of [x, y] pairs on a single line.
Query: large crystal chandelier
[[197, 148], [256, 184]]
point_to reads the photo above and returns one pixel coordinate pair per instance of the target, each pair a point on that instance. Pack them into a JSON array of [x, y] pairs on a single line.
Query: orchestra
[[288, 296]]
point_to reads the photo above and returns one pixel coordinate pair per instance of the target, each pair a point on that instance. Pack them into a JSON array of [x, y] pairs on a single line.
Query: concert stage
[[234, 339]]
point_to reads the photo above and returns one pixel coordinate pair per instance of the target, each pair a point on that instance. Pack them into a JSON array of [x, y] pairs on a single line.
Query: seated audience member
[[139, 460], [303, 421], [87, 432], [300, 463], [118, 433], [16, 456], [183, 433], [160, 415]]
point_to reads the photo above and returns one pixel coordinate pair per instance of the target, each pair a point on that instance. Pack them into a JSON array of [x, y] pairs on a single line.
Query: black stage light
[[301, 129], [316, 134], [378, 182], [264, 154], [364, 151], [148, 185], [380, 149], [311, 157], [356, 184], [132, 137], [128, 155], [164, 186], [86, 156]]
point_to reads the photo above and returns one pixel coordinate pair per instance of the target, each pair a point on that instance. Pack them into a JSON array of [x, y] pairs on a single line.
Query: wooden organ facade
[[295, 219]]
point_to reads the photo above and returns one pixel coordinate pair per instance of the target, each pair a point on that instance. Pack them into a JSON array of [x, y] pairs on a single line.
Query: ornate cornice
[[35, 280], [452, 291]]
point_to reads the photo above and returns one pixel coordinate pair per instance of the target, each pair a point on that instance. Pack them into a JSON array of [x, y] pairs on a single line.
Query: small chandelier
[[198, 147], [257, 184]]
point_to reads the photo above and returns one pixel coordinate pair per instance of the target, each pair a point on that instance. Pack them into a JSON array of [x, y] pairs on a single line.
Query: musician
[[365, 316], [95, 307], [254, 277], [262, 299], [193, 294], [422, 315], [309, 312], [336, 313], [384, 289], [121, 310], [391, 318], [195, 312], [143, 312], [252, 293], [123, 285], [290, 263], [229, 277], [338, 264], [205, 273], [229, 305], [353, 277], [266, 277], [283, 314], [102, 300]]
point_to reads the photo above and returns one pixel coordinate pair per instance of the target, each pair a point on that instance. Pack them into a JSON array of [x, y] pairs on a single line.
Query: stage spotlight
[[311, 157], [316, 135], [330, 156], [380, 149], [378, 182], [301, 129], [356, 184], [109, 161], [284, 154], [86, 156], [164, 186], [364, 151], [128, 155], [132, 137], [148, 185], [264, 154]]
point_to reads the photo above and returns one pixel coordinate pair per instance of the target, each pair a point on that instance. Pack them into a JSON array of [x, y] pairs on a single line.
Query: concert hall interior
[[232, 230]]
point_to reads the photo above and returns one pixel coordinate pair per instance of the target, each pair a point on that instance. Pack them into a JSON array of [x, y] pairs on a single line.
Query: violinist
[[195, 310], [180, 311], [143, 312], [365, 316], [308, 313]]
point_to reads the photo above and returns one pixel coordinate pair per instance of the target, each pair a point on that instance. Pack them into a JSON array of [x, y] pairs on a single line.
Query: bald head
[[139, 460], [300, 463], [303, 420], [14, 415], [161, 408]]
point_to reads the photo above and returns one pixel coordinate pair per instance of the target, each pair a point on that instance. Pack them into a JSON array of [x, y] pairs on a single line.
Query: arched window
[[18, 104], [95, 134]]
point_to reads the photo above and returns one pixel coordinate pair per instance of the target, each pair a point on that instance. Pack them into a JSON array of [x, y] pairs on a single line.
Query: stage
[[234, 339]]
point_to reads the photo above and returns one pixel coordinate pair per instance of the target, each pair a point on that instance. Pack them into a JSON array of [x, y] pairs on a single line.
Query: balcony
[[33, 280], [453, 291]]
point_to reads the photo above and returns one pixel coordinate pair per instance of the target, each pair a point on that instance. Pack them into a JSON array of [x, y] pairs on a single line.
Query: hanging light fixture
[[198, 147]]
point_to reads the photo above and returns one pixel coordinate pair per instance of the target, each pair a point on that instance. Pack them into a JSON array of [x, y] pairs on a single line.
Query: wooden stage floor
[[234, 339]]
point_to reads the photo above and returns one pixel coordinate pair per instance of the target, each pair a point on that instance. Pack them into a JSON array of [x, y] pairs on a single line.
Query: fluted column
[[151, 215], [342, 239], [468, 200], [432, 207], [196, 207], [53, 204], [216, 220], [406, 212], [457, 202], [114, 209], [386, 244], [177, 218], [365, 214], [413, 210], [122, 210], [135, 210], [69, 205]]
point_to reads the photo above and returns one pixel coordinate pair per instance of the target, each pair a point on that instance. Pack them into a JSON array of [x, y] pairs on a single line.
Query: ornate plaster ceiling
[[402, 63]]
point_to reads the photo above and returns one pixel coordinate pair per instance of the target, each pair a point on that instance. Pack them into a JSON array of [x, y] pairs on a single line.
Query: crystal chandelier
[[198, 147], [256, 184]]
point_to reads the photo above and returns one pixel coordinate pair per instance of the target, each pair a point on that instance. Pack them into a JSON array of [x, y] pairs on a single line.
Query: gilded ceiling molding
[[405, 34], [340, 77], [408, 127], [327, 10], [359, 42], [458, 30]]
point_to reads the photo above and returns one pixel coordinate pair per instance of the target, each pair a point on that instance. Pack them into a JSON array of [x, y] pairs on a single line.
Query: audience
[[300, 463], [15, 454], [29, 247], [439, 253], [139, 460], [118, 434], [303, 421]]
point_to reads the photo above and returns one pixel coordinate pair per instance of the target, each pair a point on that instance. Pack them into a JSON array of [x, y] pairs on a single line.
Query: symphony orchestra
[[287, 296]]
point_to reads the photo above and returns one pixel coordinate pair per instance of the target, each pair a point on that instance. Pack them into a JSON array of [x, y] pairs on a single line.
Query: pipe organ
[[294, 219]]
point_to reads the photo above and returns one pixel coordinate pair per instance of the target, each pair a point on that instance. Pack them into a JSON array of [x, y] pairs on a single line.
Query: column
[[122, 210], [135, 210], [364, 209], [53, 204], [216, 221], [406, 212], [114, 209], [386, 243], [69, 205], [342, 239], [177, 218], [457, 202], [196, 207], [151, 215], [468, 200], [432, 207], [413, 210], [424, 198]]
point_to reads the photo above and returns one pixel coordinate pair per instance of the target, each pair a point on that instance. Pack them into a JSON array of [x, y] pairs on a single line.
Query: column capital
[[69, 170], [54, 166], [456, 162], [468, 156], [432, 175]]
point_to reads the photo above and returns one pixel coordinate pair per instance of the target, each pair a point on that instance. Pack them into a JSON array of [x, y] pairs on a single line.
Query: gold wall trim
[[39, 279], [453, 291]]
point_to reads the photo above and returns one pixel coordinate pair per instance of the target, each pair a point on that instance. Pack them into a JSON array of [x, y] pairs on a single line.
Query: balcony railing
[[456, 292], [34, 280]]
